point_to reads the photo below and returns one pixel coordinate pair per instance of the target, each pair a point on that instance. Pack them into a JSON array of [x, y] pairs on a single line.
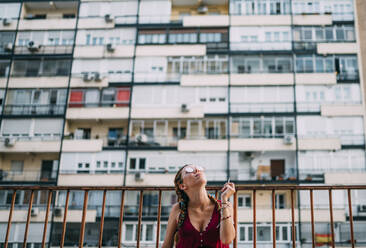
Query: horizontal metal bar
[[168, 188]]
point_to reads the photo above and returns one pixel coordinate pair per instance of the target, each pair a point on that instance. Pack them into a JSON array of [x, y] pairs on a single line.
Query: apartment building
[[124, 92]]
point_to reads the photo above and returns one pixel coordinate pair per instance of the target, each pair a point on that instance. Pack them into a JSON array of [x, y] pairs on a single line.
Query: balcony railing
[[34, 109], [43, 49], [259, 107], [27, 176], [291, 209]]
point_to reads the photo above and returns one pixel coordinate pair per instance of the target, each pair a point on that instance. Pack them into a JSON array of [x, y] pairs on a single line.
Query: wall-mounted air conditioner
[[184, 108], [9, 142], [8, 47], [58, 211], [288, 139], [110, 47], [97, 77], [108, 18], [34, 212], [139, 176], [87, 76], [6, 22], [33, 46]]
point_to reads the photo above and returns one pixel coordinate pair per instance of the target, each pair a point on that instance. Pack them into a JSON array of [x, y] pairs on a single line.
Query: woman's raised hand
[[227, 191]]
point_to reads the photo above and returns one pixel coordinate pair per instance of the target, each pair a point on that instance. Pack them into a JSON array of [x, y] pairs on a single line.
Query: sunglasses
[[189, 169]]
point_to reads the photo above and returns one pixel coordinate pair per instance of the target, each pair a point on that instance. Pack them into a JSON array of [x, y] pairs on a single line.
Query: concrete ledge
[[38, 82], [171, 50], [204, 80], [342, 110], [151, 179], [168, 113], [32, 146], [261, 20], [123, 51], [204, 145], [337, 48], [47, 24], [346, 178], [316, 78], [206, 21], [319, 144], [94, 145], [262, 79], [102, 113], [90, 179], [260, 144], [93, 23], [313, 20]]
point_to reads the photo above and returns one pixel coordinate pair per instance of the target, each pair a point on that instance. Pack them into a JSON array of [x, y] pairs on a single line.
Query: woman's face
[[193, 175]]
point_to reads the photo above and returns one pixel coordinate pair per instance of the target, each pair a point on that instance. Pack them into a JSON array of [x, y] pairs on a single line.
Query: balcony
[[97, 113], [337, 48], [260, 107], [204, 80], [42, 49], [34, 109], [47, 24], [312, 19], [264, 78], [107, 51], [256, 46], [269, 209], [38, 144], [85, 178], [261, 20], [206, 21], [171, 50], [330, 108], [27, 176], [82, 145]]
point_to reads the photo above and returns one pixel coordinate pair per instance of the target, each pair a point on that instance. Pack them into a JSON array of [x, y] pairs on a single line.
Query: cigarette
[[228, 180]]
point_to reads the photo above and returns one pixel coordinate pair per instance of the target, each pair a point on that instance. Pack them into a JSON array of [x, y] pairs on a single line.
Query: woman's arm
[[172, 227], [227, 230]]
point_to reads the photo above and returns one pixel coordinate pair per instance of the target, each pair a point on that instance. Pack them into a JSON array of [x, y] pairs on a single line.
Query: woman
[[198, 219]]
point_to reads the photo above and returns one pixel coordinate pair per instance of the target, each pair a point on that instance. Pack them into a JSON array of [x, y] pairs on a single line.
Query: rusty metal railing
[[53, 190]]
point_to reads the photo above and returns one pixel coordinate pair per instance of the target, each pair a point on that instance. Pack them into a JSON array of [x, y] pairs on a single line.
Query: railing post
[[254, 219], [10, 218], [350, 217], [139, 220], [28, 219], [82, 230], [64, 220], [274, 218], [102, 219], [312, 218]]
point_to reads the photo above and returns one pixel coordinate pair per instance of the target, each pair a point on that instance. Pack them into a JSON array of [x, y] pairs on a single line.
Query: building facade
[[124, 92]]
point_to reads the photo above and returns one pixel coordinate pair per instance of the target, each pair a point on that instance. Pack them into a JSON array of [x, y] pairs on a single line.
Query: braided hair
[[183, 200]]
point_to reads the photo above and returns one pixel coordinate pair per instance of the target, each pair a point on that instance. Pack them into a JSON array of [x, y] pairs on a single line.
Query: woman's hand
[[227, 191]]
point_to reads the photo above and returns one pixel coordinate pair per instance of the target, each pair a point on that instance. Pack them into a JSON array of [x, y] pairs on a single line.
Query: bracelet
[[225, 218], [225, 205]]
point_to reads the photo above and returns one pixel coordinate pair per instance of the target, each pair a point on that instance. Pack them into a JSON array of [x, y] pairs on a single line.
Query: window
[[264, 233], [132, 164], [16, 167], [244, 201], [280, 201], [129, 232]]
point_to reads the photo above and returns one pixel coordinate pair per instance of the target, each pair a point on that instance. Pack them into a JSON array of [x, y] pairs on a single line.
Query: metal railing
[[34, 109], [62, 212]]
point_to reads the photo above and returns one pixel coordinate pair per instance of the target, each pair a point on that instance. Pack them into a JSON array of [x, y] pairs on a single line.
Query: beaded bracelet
[[225, 218]]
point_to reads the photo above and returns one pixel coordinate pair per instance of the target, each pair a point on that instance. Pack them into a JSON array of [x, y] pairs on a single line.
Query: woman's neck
[[198, 199]]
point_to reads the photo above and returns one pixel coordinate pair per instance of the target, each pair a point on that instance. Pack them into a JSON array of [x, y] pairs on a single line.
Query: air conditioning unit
[[6, 22], [87, 76], [8, 47], [139, 176], [141, 138], [246, 156], [97, 77], [58, 211], [33, 47], [361, 208], [110, 47], [108, 18], [34, 212], [9, 142], [184, 108], [202, 9], [288, 139]]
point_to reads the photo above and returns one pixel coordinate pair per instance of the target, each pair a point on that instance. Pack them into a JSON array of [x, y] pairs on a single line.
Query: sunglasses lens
[[189, 169], [199, 168]]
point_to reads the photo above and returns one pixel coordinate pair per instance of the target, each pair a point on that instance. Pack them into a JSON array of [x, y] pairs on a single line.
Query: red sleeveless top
[[190, 237]]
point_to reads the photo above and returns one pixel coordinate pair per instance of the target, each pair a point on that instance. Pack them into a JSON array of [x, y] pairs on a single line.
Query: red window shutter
[[123, 97], [76, 98]]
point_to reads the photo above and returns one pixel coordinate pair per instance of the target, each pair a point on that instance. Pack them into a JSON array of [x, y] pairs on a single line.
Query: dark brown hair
[[183, 200]]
